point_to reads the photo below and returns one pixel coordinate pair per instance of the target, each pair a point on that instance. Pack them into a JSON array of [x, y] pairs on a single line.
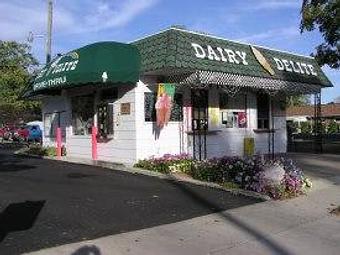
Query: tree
[[299, 100], [324, 15], [15, 64]]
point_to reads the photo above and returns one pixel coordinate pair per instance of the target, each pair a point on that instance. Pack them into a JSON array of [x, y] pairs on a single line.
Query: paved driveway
[[320, 167], [46, 203], [303, 225]]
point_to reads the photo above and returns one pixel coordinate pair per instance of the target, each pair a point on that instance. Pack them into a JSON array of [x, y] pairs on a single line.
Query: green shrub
[[333, 127], [306, 127], [44, 150]]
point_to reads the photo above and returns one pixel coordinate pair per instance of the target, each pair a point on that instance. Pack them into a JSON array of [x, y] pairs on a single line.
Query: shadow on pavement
[[273, 246], [87, 250], [19, 217], [13, 164]]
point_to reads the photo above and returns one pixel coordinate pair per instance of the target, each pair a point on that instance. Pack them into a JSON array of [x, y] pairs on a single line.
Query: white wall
[[280, 135], [152, 141], [122, 148], [175, 139], [134, 138], [53, 105], [230, 141]]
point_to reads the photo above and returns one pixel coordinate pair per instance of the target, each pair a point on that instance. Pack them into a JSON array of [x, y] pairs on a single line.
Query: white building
[[225, 92]]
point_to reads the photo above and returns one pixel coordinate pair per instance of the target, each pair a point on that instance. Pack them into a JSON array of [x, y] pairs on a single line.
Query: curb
[[136, 170]]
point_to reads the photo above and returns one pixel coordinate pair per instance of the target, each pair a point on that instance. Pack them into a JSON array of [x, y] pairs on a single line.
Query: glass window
[[262, 111], [48, 129], [233, 110], [105, 119], [150, 110], [82, 114], [51, 122], [105, 112]]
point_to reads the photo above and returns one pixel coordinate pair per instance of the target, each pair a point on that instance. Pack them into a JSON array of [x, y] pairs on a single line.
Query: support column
[[317, 127]]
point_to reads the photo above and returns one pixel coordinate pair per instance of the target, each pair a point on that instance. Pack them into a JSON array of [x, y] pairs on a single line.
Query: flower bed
[[279, 178]]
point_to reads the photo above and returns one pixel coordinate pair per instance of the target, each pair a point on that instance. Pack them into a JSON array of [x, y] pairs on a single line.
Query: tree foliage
[[15, 64], [325, 16], [299, 100]]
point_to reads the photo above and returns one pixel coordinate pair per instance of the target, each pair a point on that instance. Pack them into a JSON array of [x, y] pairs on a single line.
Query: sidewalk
[[297, 226]]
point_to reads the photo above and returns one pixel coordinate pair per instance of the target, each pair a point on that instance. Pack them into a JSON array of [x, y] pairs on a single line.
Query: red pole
[[94, 143], [58, 137]]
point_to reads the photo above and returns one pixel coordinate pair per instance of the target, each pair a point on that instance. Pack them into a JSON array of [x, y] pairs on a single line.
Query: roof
[[327, 110], [98, 63], [173, 50]]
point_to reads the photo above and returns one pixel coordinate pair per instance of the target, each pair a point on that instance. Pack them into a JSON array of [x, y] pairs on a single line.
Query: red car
[[23, 133], [2, 132]]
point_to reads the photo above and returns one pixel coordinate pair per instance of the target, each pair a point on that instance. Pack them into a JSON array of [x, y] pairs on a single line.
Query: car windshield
[[32, 127]]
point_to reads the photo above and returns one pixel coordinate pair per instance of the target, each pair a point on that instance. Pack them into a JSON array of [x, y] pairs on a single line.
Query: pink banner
[[242, 119]]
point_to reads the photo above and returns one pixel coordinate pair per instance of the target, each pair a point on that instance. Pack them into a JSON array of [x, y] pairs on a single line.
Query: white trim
[[220, 38]]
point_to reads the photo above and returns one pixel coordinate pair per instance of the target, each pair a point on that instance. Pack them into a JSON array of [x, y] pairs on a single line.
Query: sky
[[271, 23]]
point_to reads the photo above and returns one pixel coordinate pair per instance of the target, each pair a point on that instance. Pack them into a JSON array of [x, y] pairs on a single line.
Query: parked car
[[2, 132], [35, 131], [23, 134]]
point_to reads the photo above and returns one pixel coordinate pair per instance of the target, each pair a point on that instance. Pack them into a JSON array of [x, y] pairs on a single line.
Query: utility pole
[[49, 30]]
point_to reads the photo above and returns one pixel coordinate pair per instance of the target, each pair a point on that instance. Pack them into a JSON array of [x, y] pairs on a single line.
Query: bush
[[44, 150], [306, 127], [333, 127], [167, 163]]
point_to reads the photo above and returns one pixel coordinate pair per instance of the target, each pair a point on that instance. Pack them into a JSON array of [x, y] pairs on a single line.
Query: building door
[[199, 99], [105, 120]]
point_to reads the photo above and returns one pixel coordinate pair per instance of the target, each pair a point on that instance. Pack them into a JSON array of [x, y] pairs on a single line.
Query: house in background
[[330, 111], [305, 114]]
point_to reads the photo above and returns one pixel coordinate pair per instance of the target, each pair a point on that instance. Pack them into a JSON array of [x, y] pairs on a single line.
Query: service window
[[82, 114], [262, 111], [233, 111], [150, 99]]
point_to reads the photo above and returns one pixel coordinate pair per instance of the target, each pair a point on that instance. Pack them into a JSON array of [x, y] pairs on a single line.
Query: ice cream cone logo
[[262, 60]]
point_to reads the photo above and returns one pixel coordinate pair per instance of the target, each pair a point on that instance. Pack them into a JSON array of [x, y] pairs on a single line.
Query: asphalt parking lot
[[45, 203]]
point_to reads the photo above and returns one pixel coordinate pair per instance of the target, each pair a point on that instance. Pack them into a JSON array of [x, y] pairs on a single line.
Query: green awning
[[176, 51], [98, 63]]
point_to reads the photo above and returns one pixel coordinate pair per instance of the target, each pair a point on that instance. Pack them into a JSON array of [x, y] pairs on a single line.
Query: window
[[233, 111], [105, 119], [262, 111], [82, 114], [105, 112], [49, 125], [150, 111], [52, 121]]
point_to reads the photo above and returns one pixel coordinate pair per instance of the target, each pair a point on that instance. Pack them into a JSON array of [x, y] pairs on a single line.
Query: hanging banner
[[165, 95], [242, 119]]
